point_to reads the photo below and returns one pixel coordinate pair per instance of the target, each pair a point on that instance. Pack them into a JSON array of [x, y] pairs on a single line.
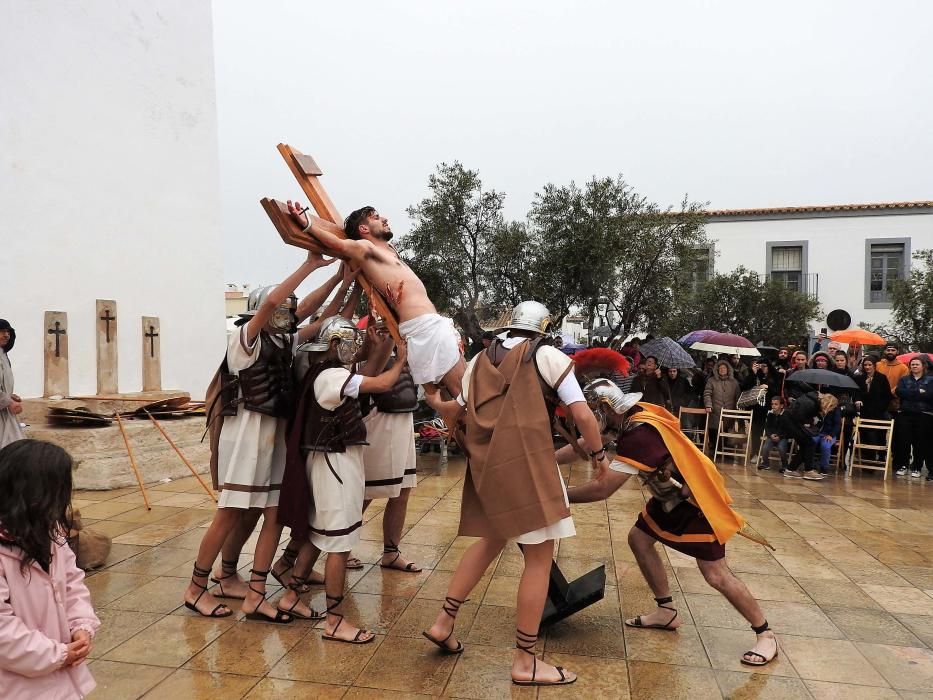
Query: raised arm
[[377, 349], [332, 308], [312, 302], [282, 291], [345, 247], [386, 380]]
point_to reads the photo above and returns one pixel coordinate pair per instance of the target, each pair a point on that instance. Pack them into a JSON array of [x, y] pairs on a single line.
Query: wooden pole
[[129, 451], [183, 459]]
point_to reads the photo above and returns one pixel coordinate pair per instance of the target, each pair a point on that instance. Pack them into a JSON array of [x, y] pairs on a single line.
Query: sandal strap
[[289, 556], [201, 573], [229, 566], [451, 606], [390, 548], [761, 628], [526, 642], [258, 577], [298, 582], [338, 599], [662, 602]]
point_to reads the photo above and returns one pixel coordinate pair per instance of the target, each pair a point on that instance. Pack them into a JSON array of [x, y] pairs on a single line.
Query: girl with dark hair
[[11, 405], [47, 622]]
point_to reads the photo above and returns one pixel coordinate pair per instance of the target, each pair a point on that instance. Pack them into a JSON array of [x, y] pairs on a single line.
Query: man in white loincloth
[[434, 354], [323, 485]]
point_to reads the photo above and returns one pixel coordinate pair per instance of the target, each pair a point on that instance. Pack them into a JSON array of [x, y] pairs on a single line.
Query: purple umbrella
[[726, 342], [695, 337]]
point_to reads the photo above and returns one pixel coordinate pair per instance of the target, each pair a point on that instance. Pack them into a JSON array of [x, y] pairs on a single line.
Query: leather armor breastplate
[[330, 431], [267, 384], [402, 398]]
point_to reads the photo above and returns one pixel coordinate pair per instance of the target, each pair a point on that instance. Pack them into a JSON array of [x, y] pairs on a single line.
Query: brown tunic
[[511, 485]]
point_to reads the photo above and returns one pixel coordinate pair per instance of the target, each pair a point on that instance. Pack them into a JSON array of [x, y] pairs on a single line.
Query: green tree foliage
[[742, 303], [912, 307]]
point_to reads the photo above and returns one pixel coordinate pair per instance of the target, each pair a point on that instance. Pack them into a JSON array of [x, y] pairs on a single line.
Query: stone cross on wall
[[55, 332], [107, 347], [152, 357]]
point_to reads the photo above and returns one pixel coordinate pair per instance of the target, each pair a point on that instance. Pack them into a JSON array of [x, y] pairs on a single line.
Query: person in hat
[[512, 389], [11, 405], [689, 509]]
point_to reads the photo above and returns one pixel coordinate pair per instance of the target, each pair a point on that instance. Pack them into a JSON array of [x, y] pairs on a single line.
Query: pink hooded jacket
[[38, 614]]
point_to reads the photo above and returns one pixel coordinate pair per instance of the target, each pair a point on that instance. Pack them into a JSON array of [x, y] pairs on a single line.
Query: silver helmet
[[337, 327], [603, 394], [530, 316], [284, 318]]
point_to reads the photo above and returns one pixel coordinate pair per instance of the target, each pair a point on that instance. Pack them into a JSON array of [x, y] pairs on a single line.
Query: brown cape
[[512, 485]]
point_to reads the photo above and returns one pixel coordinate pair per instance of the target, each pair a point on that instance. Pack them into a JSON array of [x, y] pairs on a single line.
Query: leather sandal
[[296, 586], [451, 606], [332, 637], [204, 573], [753, 658], [229, 567], [526, 643], [411, 567], [281, 617], [662, 603]]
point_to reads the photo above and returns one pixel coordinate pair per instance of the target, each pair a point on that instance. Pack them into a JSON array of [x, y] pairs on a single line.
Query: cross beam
[[307, 172]]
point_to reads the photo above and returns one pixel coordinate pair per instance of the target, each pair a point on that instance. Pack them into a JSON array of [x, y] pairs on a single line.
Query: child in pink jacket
[[47, 623]]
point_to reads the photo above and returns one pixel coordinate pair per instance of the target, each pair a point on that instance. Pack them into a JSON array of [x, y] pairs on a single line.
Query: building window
[[886, 262], [701, 267], [787, 265]]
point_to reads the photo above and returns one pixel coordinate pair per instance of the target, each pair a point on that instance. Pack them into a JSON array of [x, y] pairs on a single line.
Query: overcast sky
[[735, 103]]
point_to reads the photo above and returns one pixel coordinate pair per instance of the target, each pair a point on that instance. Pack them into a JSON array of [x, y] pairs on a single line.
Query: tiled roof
[[828, 208]]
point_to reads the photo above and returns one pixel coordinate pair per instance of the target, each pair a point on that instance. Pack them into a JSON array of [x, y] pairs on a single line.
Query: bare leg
[[393, 520], [230, 583], [597, 489], [473, 564], [719, 576], [335, 575], [532, 593], [652, 568], [225, 519], [453, 380], [266, 546]]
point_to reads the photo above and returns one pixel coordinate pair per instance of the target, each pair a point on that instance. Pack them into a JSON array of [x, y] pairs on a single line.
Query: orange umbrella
[[858, 335]]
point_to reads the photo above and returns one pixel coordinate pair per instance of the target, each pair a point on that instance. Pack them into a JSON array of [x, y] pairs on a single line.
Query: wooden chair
[[743, 422], [774, 454], [697, 435], [840, 446], [859, 459]]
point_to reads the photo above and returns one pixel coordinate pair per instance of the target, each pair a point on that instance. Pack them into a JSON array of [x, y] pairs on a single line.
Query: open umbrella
[[823, 377], [695, 337], [908, 356], [858, 335], [727, 342], [668, 352]]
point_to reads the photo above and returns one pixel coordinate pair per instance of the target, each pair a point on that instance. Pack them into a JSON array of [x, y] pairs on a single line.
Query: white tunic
[[9, 424], [336, 478], [389, 458], [552, 364], [251, 450]]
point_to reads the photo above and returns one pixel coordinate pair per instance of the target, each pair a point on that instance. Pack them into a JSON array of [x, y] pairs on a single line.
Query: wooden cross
[[58, 332], [107, 318], [307, 172], [152, 335]]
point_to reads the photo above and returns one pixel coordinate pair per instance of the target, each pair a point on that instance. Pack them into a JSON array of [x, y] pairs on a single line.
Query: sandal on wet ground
[[204, 573], [411, 567], [333, 636], [662, 603], [281, 617], [296, 586], [229, 567], [526, 643], [753, 658], [354, 563], [451, 606]]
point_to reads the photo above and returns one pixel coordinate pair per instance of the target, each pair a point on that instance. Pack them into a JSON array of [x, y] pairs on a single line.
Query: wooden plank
[[288, 229], [322, 204]]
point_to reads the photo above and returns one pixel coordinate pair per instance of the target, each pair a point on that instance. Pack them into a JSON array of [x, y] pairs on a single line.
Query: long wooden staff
[[183, 459], [129, 451]]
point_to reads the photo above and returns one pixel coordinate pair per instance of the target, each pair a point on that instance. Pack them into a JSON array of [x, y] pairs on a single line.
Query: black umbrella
[[668, 352], [824, 377]]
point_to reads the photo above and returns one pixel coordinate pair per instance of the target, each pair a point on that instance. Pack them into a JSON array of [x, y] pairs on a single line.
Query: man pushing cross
[[434, 355]]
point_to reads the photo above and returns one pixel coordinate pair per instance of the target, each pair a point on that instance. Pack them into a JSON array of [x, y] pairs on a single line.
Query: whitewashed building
[[109, 185], [846, 255]]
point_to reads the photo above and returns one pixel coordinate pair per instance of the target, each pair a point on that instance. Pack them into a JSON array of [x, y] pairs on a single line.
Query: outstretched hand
[[297, 213], [318, 260]]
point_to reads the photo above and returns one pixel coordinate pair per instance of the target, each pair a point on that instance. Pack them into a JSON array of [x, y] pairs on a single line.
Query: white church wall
[[836, 251], [109, 184]]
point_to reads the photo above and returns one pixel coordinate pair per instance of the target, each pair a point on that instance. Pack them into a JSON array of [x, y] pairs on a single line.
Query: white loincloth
[[433, 347], [555, 531], [389, 458], [337, 510]]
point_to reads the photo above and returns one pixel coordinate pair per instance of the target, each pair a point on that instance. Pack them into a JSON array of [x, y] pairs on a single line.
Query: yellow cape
[[706, 483]]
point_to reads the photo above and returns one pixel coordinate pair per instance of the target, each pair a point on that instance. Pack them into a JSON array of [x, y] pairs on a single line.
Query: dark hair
[[779, 398], [841, 352], [869, 358], [35, 492], [351, 225], [656, 360], [5, 326], [890, 344]]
